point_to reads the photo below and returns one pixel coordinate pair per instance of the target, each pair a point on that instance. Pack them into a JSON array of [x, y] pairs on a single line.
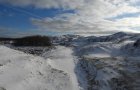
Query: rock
[[137, 43], [1, 88]]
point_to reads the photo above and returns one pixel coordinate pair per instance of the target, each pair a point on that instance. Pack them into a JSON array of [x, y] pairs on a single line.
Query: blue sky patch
[[126, 15], [19, 17]]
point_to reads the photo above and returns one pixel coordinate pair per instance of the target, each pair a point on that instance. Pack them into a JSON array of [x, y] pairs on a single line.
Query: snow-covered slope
[[111, 65], [63, 59], [19, 71], [74, 63]]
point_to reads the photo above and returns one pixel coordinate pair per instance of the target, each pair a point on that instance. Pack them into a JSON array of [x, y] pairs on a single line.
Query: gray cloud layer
[[90, 16]]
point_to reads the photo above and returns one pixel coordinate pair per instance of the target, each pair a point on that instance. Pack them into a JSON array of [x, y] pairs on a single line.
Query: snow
[[103, 76], [80, 64], [97, 55], [20, 71], [62, 58]]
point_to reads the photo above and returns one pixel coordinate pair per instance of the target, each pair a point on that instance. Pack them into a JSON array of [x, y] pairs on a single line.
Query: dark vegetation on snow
[[33, 41], [5, 39], [28, 41]]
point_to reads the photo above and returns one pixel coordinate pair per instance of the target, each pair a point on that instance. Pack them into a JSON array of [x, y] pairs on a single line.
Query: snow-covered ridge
[[19, 71], [74, 63], [109, 63]]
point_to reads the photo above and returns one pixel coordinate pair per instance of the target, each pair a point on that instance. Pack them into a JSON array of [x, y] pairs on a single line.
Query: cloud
[[90, 15], [13, 32], [46, 3]]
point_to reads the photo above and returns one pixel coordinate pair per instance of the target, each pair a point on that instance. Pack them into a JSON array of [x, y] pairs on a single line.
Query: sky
[[57, 17]]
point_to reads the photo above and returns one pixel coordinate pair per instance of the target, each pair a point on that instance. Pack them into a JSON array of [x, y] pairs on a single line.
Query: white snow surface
[[20, 71], [94, 64], [63, 59]]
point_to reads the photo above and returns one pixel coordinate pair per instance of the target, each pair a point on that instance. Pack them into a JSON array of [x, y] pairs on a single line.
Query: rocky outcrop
[[137, 43]]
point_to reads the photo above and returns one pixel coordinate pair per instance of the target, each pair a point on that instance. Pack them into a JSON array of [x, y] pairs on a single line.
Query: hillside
[[73, 63], [19, 71]]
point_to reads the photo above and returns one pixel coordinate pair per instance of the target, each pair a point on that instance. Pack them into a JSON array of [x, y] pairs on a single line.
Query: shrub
[[33, 41]]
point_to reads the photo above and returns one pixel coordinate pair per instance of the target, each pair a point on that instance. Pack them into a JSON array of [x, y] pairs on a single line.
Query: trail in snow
[[62, 58]]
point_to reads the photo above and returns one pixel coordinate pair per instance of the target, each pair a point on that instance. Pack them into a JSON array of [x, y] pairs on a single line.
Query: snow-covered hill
[[20, 71], [74, 63], [111, 64]]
